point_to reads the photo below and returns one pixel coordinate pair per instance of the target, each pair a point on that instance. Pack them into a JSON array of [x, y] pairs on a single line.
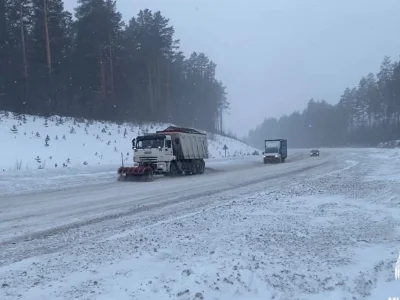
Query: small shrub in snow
[[103, 130], [55, 165], [14, 129], [108, 143], [41, 164], [72, 131], [46, 124], [125, 133], [68, 160], [64, 138], [37, 134], [46, 141], [85, 163], [56, 138]]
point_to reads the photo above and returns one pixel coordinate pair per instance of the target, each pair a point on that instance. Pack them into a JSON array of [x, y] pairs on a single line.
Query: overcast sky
[[274, 56]]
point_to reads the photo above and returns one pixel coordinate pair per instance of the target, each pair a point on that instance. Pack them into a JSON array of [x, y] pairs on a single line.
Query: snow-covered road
[[311, 228]]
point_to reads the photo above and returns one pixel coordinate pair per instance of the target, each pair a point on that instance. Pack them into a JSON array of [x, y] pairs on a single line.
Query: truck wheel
[[149, 176], [194, 168], [202, 166], [173, 169]]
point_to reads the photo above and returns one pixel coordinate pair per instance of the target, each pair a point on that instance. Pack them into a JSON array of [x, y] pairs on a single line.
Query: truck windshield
[[149, 144], [272, 146]]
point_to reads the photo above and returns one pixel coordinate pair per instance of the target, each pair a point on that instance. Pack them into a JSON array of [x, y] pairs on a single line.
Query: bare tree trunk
[[25, 62], [46, 29], [48, 53], [168, 97], [112, 73], [155, 92], [103, 85], [161, 102], [150, 91], [3, 25], [110, 58], [221, 120]]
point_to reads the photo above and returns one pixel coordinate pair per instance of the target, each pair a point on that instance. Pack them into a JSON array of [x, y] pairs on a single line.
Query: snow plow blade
[[140, 173]]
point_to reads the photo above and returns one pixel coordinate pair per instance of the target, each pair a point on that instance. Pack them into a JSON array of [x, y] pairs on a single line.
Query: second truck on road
[[275, 151]]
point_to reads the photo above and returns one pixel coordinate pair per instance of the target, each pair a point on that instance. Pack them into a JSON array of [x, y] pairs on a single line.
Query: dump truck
[[173, 151], [275, 151]]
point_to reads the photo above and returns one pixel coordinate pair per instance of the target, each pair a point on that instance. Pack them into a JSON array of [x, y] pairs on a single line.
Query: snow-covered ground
[[54, 143], [390, 144], [311, 228]]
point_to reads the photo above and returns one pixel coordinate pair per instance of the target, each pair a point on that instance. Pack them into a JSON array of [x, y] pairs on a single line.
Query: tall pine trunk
[[151, 95], [49, 63], [103, 92], [23, 45], [111, 73], [3, 52]]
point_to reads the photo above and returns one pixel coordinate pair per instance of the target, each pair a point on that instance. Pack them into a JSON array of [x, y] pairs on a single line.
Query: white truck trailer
[[172, 152]]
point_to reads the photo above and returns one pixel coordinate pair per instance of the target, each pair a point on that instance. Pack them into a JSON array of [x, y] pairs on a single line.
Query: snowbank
[[390, 144], [33, 143]]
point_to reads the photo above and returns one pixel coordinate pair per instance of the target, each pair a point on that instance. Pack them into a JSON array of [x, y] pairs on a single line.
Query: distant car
[[314, 152]]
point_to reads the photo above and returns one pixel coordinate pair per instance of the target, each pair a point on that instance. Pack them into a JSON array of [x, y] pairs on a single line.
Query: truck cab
[[153, 149], [275, 151]]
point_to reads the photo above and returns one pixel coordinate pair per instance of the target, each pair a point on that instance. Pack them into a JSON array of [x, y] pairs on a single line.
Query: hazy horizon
[[273, 57]]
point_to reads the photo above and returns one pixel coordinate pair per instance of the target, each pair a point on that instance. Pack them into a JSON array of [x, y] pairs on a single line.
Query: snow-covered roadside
[[390, 144], [292, 249], [59, 152], [311, 237], [59, 143]]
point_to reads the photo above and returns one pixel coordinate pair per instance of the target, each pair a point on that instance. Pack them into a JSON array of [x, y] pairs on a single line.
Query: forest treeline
[[95, 66], [364, 116]]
